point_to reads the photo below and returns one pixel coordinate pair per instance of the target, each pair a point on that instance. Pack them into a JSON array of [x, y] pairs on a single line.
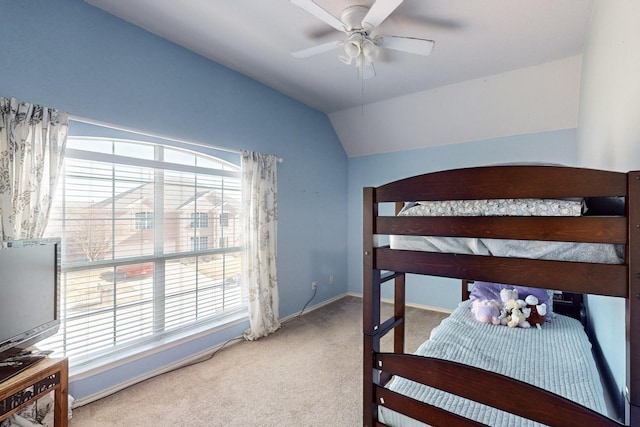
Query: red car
[[135, 270]]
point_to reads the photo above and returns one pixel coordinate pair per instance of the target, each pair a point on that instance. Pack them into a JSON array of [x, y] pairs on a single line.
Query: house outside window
[[125, 287]]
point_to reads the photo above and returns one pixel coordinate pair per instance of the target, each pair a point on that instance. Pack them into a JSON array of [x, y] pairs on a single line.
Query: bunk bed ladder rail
[[373, 326]]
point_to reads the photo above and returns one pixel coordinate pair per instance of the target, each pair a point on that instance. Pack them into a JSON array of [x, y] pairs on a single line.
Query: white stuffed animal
[[513, 309]]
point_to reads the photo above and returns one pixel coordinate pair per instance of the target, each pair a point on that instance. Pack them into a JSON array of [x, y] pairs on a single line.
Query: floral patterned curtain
[[259, 206], [32, 140]]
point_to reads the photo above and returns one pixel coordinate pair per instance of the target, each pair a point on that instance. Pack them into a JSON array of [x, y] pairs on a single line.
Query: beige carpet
[[309, 373]]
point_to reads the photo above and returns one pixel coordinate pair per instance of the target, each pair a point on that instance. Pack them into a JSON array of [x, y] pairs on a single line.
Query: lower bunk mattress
[[557, 358]]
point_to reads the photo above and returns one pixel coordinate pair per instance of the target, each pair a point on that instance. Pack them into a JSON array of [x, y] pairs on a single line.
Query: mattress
[[556, 357], [561, 251]]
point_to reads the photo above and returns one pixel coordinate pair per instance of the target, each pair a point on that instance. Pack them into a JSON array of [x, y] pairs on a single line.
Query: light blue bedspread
[[557, 358]]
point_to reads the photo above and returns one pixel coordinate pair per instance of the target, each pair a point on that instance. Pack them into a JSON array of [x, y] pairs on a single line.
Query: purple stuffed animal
[[486, 311]]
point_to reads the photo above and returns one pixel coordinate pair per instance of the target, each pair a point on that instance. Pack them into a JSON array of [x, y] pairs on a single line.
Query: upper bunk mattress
[[556, 357], [561, 251]]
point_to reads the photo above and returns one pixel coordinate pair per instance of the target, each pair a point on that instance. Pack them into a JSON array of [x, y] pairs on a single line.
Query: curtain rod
[[121, 128]]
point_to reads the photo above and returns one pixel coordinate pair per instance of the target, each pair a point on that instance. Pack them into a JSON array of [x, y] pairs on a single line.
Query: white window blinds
[[151, 238]]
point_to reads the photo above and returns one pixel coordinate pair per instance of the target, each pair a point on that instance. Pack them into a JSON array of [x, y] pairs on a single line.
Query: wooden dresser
[[44, 376]]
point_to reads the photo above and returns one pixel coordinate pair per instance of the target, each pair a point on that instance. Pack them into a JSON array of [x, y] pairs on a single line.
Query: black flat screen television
[[29, 288]]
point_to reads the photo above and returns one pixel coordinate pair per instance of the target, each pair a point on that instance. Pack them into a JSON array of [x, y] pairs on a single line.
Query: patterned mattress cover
[[556, 358], [562, 251]]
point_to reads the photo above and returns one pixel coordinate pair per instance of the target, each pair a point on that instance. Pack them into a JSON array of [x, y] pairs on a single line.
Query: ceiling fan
[[361, 47]]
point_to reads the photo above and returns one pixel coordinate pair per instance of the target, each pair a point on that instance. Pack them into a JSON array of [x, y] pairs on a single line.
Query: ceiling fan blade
[[311, 7], [408, 44], [379, 11], [316, 50]]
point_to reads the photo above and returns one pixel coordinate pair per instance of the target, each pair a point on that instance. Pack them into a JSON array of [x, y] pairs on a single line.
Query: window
[[144, 220], [200, 243], [224, 219], [199, 220], [131, 215]]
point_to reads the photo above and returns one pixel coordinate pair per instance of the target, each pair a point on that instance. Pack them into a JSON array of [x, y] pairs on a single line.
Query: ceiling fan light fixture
[[369, 50], [353, 48]]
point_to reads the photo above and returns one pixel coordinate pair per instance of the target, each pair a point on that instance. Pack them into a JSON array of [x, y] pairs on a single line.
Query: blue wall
[[549, 147], [69, 55]]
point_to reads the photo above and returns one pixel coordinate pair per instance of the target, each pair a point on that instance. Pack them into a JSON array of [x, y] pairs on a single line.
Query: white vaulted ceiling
[[474, 39]]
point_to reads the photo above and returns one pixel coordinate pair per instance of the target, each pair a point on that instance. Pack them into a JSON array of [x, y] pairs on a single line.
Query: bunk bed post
[[465, 289], [633, 302], [399, 313], [371, 306], [399, 310]]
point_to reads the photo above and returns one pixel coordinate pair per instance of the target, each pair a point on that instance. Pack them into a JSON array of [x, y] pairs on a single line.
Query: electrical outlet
[[331, 280], [314, 285]]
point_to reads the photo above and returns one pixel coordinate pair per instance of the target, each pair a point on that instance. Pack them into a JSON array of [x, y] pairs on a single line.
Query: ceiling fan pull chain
[[362, 90]]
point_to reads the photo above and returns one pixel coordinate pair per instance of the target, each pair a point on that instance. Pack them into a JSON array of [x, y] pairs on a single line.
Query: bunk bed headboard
[[503, 182]]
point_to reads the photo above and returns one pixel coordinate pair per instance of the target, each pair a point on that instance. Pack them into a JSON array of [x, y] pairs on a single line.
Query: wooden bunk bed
[[386, 266]]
